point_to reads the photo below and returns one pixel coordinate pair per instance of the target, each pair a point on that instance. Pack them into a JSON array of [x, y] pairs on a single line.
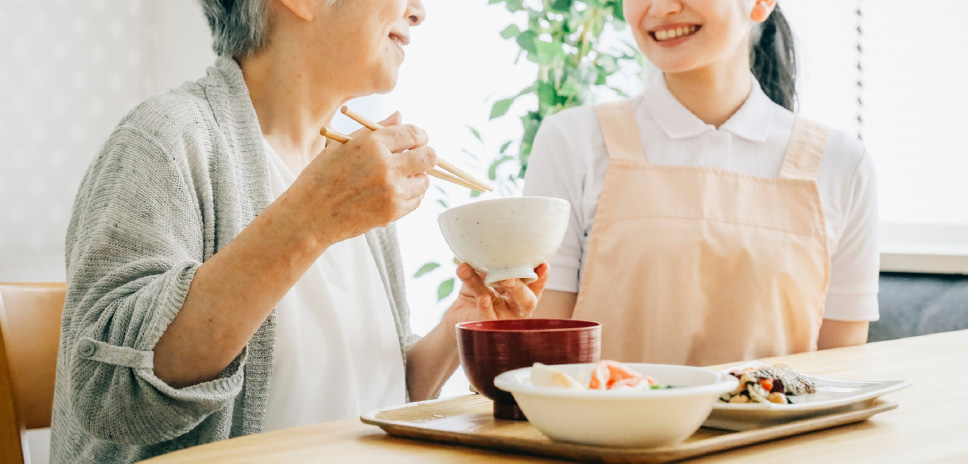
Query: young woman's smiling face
[[684, 35]]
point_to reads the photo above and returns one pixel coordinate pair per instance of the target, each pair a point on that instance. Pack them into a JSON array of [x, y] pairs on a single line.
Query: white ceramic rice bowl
[[643, 419], [508, 237]]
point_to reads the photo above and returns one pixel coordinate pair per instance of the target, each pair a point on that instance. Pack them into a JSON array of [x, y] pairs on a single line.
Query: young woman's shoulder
[[573, 133], [568, 153], [578, 116], [846, 147], [846, 161], [844, 156]]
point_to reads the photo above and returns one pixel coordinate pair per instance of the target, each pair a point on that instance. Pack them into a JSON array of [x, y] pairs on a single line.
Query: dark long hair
[[773, 60]]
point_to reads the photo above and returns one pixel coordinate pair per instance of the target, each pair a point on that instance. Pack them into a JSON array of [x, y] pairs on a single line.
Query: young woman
[[710, 223], [227, 274]]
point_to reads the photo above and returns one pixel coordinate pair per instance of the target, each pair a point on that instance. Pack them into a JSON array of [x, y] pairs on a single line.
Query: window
[[907, 103]]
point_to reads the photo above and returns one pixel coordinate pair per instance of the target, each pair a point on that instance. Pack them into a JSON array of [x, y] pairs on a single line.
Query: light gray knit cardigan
[[181, 175]]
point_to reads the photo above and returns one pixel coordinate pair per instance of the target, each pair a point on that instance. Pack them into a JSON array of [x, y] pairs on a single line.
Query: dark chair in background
[[920, 304]]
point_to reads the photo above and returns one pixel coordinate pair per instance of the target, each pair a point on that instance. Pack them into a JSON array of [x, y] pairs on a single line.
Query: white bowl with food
[[506, 238], [667, 409]]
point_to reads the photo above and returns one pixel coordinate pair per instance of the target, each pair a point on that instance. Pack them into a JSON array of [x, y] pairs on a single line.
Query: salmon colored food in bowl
[[667, 407], [489, 348]]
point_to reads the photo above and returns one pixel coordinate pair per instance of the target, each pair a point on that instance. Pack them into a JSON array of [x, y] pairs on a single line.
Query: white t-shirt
[[569, 160], [336, 353]]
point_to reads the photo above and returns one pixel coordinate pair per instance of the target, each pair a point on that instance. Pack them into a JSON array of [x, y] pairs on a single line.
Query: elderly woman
[[227, 272]]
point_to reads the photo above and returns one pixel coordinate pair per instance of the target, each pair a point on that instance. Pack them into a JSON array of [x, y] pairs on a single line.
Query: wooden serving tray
[[468, 420]]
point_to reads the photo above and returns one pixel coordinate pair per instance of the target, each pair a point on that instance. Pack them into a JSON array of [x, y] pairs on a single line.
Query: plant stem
[[583, 41]]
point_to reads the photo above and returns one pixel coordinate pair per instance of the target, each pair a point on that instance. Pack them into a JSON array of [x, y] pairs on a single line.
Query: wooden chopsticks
[[456, 175], [342, 138]]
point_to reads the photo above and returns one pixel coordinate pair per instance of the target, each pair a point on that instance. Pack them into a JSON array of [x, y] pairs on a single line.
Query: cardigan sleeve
[[135, 240], [385, 246]]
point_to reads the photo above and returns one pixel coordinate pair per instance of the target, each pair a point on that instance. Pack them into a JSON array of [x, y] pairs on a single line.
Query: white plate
[[832, 396]]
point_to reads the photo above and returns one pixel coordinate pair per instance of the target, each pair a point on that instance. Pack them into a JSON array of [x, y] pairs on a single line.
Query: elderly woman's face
[[369, 37]]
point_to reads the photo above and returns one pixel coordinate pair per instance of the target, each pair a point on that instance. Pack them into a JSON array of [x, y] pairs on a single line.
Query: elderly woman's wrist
[[308, 223], [446, 330]]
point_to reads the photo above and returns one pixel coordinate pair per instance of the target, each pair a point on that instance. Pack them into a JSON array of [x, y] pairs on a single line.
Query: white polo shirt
[[569, 160]]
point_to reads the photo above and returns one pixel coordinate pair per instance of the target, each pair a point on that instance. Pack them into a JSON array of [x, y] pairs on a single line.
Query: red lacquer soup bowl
[[490, 348]]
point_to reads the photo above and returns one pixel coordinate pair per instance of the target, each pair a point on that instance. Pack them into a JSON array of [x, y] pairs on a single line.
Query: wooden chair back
[[30, 320]]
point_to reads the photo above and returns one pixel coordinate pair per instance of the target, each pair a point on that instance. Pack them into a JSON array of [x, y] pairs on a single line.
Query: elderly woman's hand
[[511, 299], [368, 182]]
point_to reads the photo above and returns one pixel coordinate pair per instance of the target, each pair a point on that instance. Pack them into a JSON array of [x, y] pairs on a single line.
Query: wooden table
[[931, 424]]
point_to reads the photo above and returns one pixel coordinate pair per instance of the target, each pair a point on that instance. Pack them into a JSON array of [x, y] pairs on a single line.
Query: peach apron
[[699, 266]]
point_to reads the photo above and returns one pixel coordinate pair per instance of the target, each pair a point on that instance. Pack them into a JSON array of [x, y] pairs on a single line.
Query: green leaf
[[602, 77], [548, 52], [620, 92], [561, 6], [445, 289], [514, 5], [426, 268], [568, 89], [442, 203], [527, 90], [477, 134], [527, 41], [492, 170], [470, 153], [617, 12], [511, 31], [501, 107], [546, 93], [531, 123], [475, 193], [504, 147]]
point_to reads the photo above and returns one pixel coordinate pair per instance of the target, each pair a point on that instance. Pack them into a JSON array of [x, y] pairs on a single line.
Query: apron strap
[[620, 131], [805, 151]]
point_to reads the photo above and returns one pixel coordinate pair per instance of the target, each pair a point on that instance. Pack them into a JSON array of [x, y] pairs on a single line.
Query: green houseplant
[[564, 39]]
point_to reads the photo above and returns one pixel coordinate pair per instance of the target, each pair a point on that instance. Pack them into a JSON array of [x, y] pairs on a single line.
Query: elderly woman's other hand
[[511, 299], [368, 182], [432, 360]]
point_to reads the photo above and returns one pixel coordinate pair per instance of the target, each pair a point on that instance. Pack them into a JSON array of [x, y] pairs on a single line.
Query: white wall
[[69, 70]]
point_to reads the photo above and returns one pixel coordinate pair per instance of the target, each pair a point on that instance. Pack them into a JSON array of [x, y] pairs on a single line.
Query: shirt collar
[[752, 121]]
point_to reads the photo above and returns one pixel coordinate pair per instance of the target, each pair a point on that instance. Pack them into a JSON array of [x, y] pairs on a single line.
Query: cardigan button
[[86, 348]]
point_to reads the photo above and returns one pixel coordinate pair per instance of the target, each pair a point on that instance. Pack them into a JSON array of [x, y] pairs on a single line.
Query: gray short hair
[[239, 27]]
